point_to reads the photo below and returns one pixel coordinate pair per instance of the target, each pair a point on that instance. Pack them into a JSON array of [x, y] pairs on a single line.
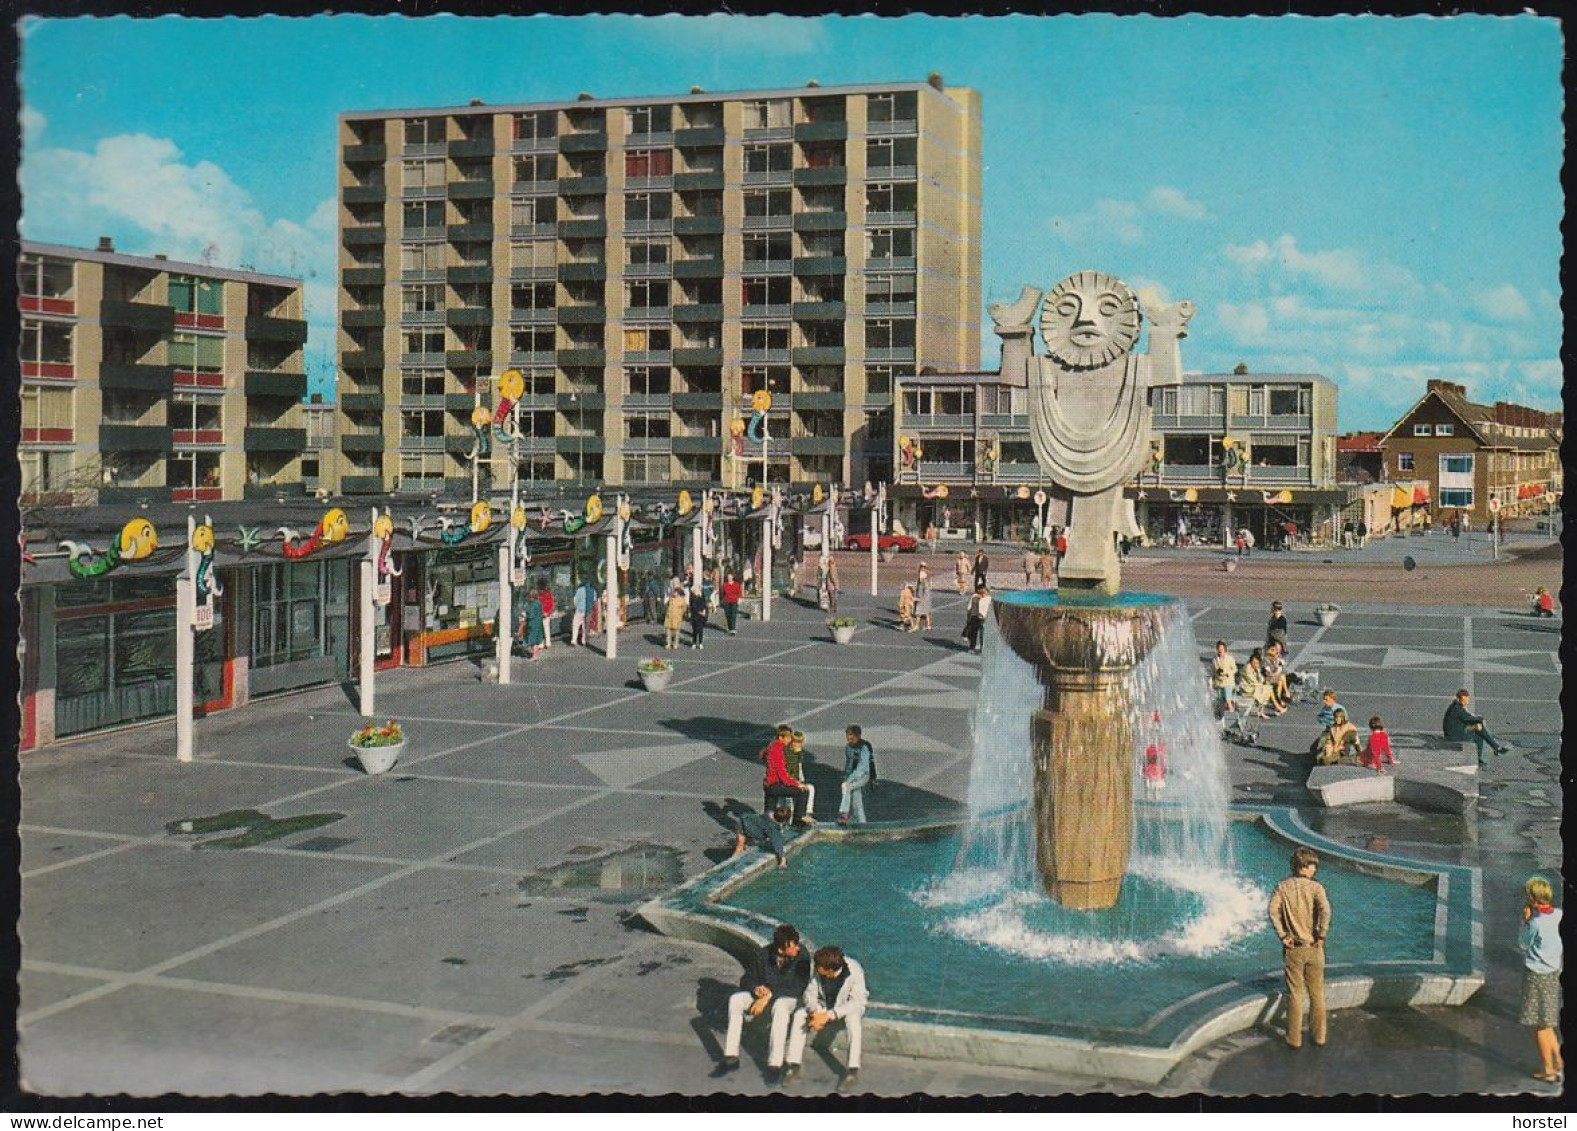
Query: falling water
[[1180, 895]]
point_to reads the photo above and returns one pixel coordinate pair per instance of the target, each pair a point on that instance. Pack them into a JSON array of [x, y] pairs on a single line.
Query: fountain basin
[[1411, 937]]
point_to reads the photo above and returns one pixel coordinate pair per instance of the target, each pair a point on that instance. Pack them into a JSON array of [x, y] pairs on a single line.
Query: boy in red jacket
[[1379, 746], [778, 783]]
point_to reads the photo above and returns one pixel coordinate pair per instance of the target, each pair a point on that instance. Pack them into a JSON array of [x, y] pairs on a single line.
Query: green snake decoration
[[84, 563]]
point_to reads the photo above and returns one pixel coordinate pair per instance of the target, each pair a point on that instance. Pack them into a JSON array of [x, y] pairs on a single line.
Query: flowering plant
[[652, 665], [389, 734], [1327, 607], [842, 622]]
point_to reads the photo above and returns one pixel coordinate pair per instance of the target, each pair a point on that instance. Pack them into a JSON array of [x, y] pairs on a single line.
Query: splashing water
[[1180, 897]]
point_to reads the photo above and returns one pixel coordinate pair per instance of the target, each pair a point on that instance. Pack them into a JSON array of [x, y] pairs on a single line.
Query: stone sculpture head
[[1089, 319]]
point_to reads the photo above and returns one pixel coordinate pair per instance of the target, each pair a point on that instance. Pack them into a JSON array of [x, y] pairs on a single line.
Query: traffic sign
[[1494, 504]]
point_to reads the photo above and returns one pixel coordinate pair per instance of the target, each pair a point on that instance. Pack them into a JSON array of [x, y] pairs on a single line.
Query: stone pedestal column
[[1083, 788]]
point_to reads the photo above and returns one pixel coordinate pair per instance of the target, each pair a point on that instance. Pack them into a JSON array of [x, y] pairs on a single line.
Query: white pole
[[368, 638], [766, 567], [506, 613], [185, 657], [612, 652], [695, 551], [876, 530]]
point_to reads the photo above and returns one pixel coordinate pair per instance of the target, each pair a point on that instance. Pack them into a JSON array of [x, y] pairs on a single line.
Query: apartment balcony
[[592, 402], [137, 315], [357, 403], [698, 312], [583, 355], [767, 266], [460, 402], [889, 353], [536, 231], [653, 139], [1002, 421], [821, 221], [819, 355], [260, 383], [889, 129], [40, 304], [821, 265], [589, 444], [197, 437], [363, 194], [468, 359], [53, 372], [963, 424], [266, 439], [594, 271], [764, 311], [710, 225], [370, 152], [532, 357], [905, 218], [469, 316], [361, 359], [890, 309], [535, 144], [890, 173], [471, 147], [583, 186], [648, 400], [361, 442], [765, 356], [705, 181], [701, 401], [536, 445], [698, 268], [421, 358], [1020, 473], [890, 263], [931, 472], [833, 175], [361, 484], [662, 314], [471, 273], [821, 131], [648, 357], [470, 233], [821, 311], [581, 315], [817, 445], [264, 328], [768, 177], [134, 437], [362, 276], [663, 184], [647, 444], [461, 443], [1210, 422], [413, 401], [583, 143], [696, 137], [535, 188], [594, 229], [825, 400], [544, 272], [777, 222], [648, 270], [1284, 422], [372, 316], [158, 379], [367, 235], [471, 190], [422, 192], [203, 379]]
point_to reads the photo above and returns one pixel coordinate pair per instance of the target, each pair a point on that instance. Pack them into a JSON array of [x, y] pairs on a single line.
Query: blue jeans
[[853, 803], [1480, 735]]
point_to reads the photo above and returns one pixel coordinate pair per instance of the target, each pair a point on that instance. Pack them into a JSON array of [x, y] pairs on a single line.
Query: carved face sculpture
[[335, 526], [137, 540], [1089, 319]]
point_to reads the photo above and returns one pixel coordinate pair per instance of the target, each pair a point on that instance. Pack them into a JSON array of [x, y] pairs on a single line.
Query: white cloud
[[1126, 220], [1503, 304], [1334, 269], [719, 33], [33, 123], [142, 191]]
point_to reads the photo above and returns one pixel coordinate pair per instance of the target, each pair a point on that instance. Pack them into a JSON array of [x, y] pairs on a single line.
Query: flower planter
[[843, 633], [1327, 617], [655, 681], [887, 555], [377, 759]]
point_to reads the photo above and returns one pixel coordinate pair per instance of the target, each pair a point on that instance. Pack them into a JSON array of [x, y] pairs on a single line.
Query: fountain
[[1064, 878]]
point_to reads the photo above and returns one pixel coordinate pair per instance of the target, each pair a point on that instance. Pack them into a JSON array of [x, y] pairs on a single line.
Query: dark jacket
[[786, 979], [1277, 630], [697, 606], [1458, 719], [761, 831]]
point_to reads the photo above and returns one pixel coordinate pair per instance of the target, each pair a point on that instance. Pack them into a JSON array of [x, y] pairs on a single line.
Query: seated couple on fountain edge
[[803, 997]]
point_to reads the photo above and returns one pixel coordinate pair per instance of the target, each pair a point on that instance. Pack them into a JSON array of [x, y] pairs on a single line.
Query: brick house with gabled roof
[[1469, 453]]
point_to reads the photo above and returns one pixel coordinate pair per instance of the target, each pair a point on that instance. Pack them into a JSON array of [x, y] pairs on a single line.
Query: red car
[[899, 542]]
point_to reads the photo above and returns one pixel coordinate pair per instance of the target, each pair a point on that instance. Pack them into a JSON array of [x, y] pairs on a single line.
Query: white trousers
[[577, 629], [780, 1009], [800, 1030]]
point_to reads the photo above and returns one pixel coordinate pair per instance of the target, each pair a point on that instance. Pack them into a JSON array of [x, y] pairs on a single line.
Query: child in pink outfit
[[1379, 746]]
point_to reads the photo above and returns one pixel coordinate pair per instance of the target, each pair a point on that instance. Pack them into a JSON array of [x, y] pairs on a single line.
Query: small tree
[[1240, 370]]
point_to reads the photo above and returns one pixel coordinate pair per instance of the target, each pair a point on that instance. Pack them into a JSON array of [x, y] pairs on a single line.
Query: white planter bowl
[[887, 555], [843, 635], [655, 681], [377, 759], [1327, 617]]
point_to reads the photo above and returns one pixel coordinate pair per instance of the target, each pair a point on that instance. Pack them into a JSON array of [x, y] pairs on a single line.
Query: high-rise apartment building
[[149, 379], [648, 264]]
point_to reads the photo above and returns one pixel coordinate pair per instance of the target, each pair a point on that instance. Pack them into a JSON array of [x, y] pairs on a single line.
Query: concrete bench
[[1431, 773]]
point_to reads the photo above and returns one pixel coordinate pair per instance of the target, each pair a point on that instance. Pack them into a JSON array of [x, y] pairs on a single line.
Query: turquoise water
[[931, 937], [1084, 599]]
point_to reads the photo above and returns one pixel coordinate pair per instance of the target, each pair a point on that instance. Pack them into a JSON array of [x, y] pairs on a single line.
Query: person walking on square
[[961, 572], [1542, 959], [545, 599], [831, 586], [982, 569], [779, 784], [673, 618], [772, 985], [1462, 725], [859, 771], [794, 764], [1378, 749], [836, 995], [1276, 627], [906, 608], [698, 614], [1300, 914], [652, 598], [531, 627], [975, 618], [922, 600], [1031, 566], [732, 592], [1223, 675], [1363, 533], [584, 601]]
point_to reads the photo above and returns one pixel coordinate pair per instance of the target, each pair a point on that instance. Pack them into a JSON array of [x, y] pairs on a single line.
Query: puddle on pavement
[[629, 873], [254, 827]]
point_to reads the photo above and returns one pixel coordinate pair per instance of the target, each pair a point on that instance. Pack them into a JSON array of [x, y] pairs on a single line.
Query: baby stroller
[[1303, 686], [1237, 725]]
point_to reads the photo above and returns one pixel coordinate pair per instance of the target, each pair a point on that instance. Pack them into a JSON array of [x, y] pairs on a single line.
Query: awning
[[1420, 496], [1530, 491], [1401, 499]]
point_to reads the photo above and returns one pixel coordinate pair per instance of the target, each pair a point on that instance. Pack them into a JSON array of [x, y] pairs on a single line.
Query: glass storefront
[[459, 600], [300, 624]]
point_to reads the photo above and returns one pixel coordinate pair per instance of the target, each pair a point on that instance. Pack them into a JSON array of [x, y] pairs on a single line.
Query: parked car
[[901, 543]]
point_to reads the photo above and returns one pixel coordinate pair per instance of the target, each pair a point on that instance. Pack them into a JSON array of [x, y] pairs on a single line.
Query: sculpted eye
[[1068, 307], [1110, 305]]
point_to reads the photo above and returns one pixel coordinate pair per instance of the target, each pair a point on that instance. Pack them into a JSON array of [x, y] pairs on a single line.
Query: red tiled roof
[[1360, 442]]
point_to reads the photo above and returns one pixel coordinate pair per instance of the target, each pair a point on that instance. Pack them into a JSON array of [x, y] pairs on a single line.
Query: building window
[[192, 354], [191, 295], [647, 293], [1404, 461], [46, 414], [883, 334], [424, 341], [535, 168], [650, 119], [1445, 429], [885, 289], [890, 243], [419, 259], [646, 381], [766, 290], [649, 163], [423, 217], [647, 427], [884, 198], [423, 174], [531, 339], [288, 611], [533, 127], [45, 473], [647, 207], [646, 468], [647, 339], [425, 298], [898, 106], [424, 131], [769, 204], [1457, 464], [534, 254], [1423, 429], [1289, 402], [879, 380], [768, 114], [47, 342], [1456, 497], [43, 277], [768, 247], [646, 253], [531, 297], [886, 153], [769, 158], [765, 338]]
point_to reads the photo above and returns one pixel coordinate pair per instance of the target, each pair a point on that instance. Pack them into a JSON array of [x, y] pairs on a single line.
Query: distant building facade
[[1469, 453], [317, 459], [147, 379], [649, 264]]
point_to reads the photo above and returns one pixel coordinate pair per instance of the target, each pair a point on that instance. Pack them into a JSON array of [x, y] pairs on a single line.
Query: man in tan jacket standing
[[1300, 914]]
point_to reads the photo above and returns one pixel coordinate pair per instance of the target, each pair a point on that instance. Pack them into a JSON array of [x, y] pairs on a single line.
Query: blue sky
[[1373, 199]]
